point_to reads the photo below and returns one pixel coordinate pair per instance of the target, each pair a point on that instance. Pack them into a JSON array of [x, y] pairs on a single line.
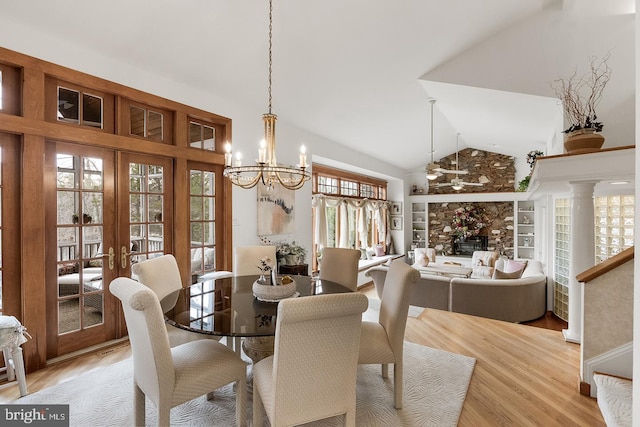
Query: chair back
[[340, 265], [153, 368], [162, 276], [316, 356], [247, 258], [394, 304]]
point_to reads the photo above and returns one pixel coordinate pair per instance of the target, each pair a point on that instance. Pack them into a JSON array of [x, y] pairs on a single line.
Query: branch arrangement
[[580, 95]]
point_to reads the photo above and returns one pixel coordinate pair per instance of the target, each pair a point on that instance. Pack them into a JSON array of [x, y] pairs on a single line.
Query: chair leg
[[241, 401], [385, 370], [350, 418], [164, 415], [138, 406], [7, 362], [257, 408], [397, 384], [18, 366]]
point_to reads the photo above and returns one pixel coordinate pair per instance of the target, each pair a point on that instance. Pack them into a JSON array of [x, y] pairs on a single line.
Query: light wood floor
[[524, 375]]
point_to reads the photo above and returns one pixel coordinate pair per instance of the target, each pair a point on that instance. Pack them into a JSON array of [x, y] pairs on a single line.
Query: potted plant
[[532, 155], [580, 95]]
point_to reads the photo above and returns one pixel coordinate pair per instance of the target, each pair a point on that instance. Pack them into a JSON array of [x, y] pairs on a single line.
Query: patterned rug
[[435, 386]]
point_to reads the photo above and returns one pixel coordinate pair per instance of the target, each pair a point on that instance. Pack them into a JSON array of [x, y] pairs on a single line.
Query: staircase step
[[614, 399]]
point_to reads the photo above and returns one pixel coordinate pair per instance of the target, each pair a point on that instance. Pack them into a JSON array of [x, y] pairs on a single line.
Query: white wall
[[247, 127], [573, 33]]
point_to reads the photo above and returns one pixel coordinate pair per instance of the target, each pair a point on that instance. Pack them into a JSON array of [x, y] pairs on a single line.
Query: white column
[[581, 252]]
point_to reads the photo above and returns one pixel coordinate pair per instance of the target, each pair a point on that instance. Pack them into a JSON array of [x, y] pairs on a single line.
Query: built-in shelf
[[524, 230], [419, 235]]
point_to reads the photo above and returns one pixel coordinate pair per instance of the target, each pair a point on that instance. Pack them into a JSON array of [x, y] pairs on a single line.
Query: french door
[[109, 209]]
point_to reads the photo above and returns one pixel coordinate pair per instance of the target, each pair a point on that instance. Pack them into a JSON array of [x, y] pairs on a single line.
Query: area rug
[[373, 310], [435, 386]]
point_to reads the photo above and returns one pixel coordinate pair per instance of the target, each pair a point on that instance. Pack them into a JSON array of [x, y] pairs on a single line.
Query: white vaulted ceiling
[[359, 72]]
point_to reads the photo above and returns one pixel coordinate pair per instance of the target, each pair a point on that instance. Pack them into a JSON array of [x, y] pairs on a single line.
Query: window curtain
[[365, 209]]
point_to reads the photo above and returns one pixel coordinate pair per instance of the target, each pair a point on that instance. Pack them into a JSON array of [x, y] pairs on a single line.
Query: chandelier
[[432, 168], [267, 170]]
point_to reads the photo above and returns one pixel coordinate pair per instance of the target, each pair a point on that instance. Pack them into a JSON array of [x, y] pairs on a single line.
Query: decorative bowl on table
[[285, 287]]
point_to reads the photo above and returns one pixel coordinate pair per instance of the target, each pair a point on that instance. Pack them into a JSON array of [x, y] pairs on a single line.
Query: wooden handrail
[[606, 266]]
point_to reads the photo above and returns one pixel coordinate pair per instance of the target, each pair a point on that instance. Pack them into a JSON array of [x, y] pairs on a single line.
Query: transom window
[[337, 182], [202, 136], [146, 123], [79, 108]]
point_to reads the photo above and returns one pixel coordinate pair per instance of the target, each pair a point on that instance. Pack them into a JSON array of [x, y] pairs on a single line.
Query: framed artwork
[[396, 208], [396, 223], [275, 210]]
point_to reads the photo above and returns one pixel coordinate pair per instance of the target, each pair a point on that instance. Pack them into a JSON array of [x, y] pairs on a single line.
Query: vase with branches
[[580, 96]]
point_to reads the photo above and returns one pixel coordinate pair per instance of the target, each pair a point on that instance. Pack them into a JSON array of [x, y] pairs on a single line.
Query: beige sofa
[[512, 300]]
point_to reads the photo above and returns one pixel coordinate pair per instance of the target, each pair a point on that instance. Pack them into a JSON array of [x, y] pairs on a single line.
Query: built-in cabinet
[[525, 230], [419, 236]]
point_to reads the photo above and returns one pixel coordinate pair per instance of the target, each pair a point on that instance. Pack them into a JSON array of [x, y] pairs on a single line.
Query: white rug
[[435, 386], [372, 312]]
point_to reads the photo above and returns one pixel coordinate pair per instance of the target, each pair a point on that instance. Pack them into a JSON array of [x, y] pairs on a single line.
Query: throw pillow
[[482, 272], [497, 274], [511, 266], [379, 250], [422, 260]]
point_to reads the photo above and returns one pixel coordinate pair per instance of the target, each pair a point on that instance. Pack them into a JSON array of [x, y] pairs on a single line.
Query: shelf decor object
[[267, 170], [580, 95]]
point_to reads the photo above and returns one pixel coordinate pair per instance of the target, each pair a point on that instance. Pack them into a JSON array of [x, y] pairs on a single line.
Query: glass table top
[[227, 307]]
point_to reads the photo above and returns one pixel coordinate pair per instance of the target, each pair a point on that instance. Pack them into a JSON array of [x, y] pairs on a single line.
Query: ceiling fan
[[433, 169], [457, 183]]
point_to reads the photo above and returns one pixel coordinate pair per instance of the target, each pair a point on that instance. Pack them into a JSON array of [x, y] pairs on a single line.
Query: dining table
[[227, 307]]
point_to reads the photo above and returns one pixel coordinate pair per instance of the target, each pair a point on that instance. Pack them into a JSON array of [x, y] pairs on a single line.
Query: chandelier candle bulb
[[227, 155], [262, 152], [303, 157], [238, 162]]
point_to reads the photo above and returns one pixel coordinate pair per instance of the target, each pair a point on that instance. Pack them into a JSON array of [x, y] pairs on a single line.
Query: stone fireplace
[[496, 236]]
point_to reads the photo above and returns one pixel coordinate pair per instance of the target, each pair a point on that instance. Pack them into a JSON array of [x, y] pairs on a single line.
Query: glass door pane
[[80, 207]]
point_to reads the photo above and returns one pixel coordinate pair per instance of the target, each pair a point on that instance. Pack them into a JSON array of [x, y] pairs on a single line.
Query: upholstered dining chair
[[312, 374], [171, 376], [382, 342], [162, 276], [340, 265], [247, 258]]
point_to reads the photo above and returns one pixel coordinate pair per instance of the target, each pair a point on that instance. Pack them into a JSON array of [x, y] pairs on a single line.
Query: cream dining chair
[[247, 258], [312, 374], [340, 265], [162, 276], [171, 376], [382, 342]]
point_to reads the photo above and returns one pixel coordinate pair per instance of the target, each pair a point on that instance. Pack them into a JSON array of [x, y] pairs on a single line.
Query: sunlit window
[[202, 221], [614, 225], [561, 273]]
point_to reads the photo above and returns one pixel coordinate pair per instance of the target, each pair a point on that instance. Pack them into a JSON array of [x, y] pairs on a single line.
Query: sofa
[[511, 300]]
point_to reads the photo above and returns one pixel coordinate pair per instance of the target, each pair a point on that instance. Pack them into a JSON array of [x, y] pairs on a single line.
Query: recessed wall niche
[[499, 229]]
